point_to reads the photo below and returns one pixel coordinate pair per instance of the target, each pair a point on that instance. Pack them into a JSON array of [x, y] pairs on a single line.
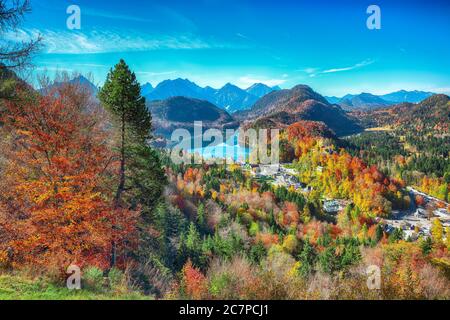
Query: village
[[417, 220], [283, 175], [414, 222]]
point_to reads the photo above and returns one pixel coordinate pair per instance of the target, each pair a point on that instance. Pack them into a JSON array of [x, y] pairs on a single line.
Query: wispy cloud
[[91, 65], [243, 36], [312, 72], [356, 66], [53, 69], [91, 42], [149, 73], [441, 90]]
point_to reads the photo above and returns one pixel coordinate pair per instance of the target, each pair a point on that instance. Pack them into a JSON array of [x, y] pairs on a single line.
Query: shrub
[[116, 279], [93, 279]]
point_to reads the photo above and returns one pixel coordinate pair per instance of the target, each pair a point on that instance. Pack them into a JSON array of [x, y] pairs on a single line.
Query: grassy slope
[[14, 287]]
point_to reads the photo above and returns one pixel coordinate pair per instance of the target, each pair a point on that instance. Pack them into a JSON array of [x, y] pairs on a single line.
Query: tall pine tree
[[140, 179]]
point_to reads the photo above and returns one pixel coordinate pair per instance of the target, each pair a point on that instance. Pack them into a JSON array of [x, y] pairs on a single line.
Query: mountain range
[[277, 109], [280, 108], [229, 97], [233, 99], [370, 101], [79, 81]]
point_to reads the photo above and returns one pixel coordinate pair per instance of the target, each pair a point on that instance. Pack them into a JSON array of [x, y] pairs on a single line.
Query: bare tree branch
[[13, 54], [12, 16]]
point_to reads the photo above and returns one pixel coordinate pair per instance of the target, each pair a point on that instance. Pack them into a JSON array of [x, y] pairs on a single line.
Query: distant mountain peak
[[260, 89], [229, 85], [366, 100], [258, 85], [146, 88], [407, 96], [85, 82], [80, 78], [229, 97]]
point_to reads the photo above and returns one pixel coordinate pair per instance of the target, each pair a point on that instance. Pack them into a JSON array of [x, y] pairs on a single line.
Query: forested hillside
[[181, 112], [411, 142], [285, 107]]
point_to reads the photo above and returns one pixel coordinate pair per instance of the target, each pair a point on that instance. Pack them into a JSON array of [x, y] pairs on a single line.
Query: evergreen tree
[[140, 179], [257, 252], [193, 245], [201, 220], [121, 96], [378, 233], [396, 235], [308, 259]]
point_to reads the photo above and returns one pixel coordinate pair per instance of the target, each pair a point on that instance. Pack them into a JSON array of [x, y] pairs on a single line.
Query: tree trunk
[[120, 188]]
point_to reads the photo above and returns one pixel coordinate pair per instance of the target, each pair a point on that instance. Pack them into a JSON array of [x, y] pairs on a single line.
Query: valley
[[351, 186]]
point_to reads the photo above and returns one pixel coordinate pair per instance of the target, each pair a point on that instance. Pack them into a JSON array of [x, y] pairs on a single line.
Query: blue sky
[[324, 44]]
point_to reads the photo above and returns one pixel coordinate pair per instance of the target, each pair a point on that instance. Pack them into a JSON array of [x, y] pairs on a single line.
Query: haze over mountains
[[229, 97], [371, 101]]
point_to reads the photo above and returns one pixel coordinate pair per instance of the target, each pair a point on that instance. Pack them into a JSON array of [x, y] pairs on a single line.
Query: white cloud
[[243, 36], [53, 69], [70, 42], [148, 73], [92, 65], [441, 90], [356, 66], [312, 72]]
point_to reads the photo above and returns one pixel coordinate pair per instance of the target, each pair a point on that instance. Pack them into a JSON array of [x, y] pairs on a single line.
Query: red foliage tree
[[194, 282], [57, 208]]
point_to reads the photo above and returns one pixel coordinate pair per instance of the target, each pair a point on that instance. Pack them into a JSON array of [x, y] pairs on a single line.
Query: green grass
[[18, 287]]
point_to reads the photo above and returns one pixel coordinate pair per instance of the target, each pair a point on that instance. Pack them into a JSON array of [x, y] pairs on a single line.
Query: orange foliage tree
[[56, 208], [194, 282]]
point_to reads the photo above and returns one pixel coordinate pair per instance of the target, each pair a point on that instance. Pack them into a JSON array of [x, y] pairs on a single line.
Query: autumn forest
[[87, 182]]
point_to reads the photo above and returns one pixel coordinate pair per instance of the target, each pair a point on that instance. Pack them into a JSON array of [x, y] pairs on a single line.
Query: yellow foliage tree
[[437, 231]]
